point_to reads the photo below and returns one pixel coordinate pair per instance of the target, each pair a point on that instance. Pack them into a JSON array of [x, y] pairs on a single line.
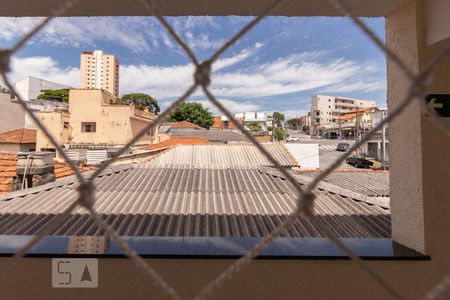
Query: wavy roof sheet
[[225, 135], [368, 183], [189, 202], [222, 156]]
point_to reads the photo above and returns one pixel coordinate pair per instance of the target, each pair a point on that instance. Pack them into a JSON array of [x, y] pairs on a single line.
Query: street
[[327, 150]]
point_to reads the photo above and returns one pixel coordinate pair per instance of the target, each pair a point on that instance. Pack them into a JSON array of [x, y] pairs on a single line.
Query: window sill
[[223, 247]]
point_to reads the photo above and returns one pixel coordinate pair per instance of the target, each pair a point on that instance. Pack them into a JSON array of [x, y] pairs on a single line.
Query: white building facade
[[31, 87], [325, 110], [260, 118]]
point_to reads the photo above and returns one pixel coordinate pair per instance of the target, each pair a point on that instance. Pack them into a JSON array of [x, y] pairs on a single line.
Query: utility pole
[[383, 140], [357, 129], [340, 129]]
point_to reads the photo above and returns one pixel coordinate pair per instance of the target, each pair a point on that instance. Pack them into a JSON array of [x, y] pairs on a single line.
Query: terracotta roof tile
[[185, 124], [181, 140], [19, 136], [8, 171], [231, 124], [217, 123]]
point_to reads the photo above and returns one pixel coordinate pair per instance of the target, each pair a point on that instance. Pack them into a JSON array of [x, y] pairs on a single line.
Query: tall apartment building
[[99, 71], [326, 110]]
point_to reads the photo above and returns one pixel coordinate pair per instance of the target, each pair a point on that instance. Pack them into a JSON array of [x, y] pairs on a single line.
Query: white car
[[292, 139]]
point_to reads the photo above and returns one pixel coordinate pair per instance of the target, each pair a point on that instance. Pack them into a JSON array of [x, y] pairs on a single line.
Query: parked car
[[359, 162], [292, 139], [342, 146]]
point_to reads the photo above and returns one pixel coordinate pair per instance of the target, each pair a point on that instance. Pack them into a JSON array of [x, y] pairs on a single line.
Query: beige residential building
[[57, 123], [94, 118], [325, 110], [99, 71]]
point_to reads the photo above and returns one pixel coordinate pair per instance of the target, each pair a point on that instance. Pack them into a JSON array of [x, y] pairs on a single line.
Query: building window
[[66, 125], [88, 127]]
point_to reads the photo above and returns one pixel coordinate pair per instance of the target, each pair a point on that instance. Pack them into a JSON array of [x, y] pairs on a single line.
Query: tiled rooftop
[[185, 124], [18, 136], [219, 124], [8, 171]]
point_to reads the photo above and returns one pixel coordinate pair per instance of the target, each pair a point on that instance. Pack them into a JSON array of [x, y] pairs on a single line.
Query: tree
[[193, 112], [293, 123], [256, 127], [142, 101], [279, 134], [61, 95], [277, 118]]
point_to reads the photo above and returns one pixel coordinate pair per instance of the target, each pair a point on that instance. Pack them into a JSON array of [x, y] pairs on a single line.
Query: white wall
[[306, 154], [30, 87]]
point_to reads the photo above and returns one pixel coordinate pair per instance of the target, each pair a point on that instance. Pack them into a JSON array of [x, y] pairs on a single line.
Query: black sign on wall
[[440, 103]]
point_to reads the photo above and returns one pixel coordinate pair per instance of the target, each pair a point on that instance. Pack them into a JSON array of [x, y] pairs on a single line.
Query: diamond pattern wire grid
[[201, 79]]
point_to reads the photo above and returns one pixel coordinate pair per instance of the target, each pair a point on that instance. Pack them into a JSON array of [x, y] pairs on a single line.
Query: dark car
[[359, 162], [342, 146]]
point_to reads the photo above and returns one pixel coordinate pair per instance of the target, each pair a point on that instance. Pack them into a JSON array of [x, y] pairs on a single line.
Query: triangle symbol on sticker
[[86, 275]]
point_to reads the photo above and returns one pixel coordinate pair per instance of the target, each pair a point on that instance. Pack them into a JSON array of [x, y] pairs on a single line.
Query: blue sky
[[275, 67]]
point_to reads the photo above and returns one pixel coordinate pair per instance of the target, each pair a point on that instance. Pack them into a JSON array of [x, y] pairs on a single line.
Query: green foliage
[[142, 101], [279, 134], [61, 95], [193, 112], [277, 118], [256, 127], [293, 123]]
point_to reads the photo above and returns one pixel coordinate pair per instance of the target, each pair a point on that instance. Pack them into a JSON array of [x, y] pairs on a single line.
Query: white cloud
[[290, 74], [135, 33], [231, 105], [368, 85], [170, 81], [43, 67], [202, 42], [12, 28], [138, 34], [192, 22]]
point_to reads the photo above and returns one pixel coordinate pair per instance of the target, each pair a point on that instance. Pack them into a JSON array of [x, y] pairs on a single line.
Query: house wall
[[54, 122], [113, 122], [262, 279], [263, 138], [30, 87], [9, 147], [136, 125], [28, 147], [12, 115]]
